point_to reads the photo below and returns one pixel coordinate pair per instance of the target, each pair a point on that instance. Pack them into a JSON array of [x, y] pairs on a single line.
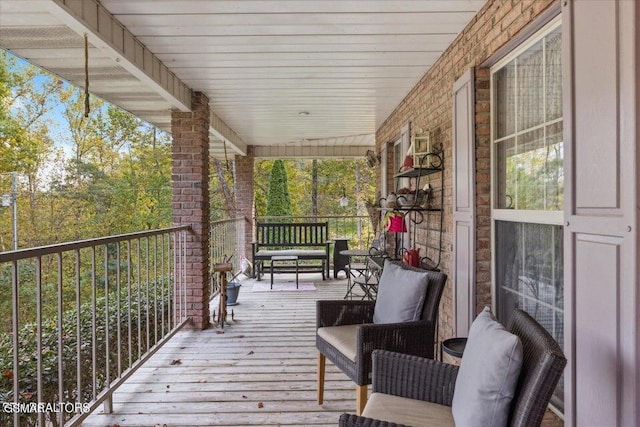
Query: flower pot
[[233, 288]]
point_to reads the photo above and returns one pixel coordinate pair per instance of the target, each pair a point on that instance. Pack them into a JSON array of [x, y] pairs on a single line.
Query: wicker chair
[[416, 337], [432, 381]]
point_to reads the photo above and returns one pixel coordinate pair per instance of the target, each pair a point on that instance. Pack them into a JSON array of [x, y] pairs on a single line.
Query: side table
[[453, 346]]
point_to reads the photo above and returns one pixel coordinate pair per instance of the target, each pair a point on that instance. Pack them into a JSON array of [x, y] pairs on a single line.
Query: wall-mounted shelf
[[427, 165], [417, 172], [411, 209]]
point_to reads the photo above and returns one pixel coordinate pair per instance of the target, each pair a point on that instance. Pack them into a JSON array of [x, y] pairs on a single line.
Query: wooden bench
[[309, 241]]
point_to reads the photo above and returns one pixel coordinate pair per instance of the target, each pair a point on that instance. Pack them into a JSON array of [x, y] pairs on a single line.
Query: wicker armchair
[[415, 337], [432, 381]]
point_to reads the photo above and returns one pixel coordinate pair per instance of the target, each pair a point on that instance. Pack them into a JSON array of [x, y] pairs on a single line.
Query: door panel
[[464, 203]]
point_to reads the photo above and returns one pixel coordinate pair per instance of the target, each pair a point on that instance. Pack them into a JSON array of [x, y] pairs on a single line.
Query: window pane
[[553, 74], [530, 171], [529, 276], [505, 88], [530, 95], [398, 157], [554, 173]]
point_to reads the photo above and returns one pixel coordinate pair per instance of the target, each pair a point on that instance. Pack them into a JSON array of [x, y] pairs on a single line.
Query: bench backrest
[[272, 234]]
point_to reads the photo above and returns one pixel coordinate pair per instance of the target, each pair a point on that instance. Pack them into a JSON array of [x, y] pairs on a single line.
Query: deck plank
[[260, 372]]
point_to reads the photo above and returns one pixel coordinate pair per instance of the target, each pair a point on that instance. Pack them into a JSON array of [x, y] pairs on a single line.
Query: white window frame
[[384, 185], [400, 148], [530, 216], [513, 215]]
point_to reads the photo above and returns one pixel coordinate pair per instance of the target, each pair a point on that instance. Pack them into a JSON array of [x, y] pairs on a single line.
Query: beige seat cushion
[[343, 338], [401, 410]]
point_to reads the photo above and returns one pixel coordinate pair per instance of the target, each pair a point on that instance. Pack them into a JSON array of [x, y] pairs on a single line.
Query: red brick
[[190, 174], [429, 105]]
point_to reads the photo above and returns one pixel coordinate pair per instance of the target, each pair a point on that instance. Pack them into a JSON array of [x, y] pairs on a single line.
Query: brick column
[[244, 195], [190, 175]]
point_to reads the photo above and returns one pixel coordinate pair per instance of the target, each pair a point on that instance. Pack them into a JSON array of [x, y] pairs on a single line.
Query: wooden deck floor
[[260, 372]]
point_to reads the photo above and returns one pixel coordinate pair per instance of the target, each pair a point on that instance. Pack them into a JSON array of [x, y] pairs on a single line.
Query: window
[[528, 177]]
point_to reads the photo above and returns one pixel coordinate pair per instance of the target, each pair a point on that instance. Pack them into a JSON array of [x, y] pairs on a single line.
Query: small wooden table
[[222, 269], [284, 258]]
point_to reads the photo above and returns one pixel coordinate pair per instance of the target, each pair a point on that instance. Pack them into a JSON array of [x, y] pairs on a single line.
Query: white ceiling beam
[[108, 34], [274, 6], [224, 133], [311, 152]]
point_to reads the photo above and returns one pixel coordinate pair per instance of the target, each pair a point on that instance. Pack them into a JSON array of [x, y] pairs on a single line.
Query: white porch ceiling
[[347, 63]]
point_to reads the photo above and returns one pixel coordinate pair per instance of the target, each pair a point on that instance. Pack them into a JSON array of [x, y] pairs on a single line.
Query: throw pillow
[[488, 374], [401, 294]]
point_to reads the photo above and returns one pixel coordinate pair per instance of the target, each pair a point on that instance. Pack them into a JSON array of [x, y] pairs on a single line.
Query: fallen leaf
[[260, 405], [8, 374], [176, 362], [250, 353], [218, 331], [244, 397], [202, 381], [239, 336], [27, 395]]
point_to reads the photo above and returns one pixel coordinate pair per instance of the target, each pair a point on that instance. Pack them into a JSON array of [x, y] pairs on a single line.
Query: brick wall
[[244, 195], [190, 176], [429, 106]]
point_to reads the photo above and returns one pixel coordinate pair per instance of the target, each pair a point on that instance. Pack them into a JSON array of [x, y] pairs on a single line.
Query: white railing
[[83, 317]]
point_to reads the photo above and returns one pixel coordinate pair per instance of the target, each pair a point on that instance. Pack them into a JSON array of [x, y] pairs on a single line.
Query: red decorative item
[[396, 224], [412, 257], [408, 162]]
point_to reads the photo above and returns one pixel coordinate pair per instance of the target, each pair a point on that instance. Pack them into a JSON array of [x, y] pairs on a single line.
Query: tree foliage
[[108, 173], [331, 175], [278, 200]]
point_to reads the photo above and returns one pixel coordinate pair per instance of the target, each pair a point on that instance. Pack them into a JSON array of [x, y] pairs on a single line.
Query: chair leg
[[321, 368], [361, 398]]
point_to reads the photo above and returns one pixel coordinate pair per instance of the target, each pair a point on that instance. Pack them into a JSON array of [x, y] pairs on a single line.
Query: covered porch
[[287, 79]]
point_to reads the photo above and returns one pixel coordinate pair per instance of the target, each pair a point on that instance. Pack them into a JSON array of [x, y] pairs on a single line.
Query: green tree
[[278, 199]]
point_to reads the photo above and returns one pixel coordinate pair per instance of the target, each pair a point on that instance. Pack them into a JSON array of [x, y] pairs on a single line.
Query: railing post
[[107, 405]]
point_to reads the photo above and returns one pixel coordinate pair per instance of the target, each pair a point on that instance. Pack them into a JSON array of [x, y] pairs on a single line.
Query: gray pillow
[[488, 374], [401, 294]]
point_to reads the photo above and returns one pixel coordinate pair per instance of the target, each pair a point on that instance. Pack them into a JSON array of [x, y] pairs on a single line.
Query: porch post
[[190, 176], [244, 196]]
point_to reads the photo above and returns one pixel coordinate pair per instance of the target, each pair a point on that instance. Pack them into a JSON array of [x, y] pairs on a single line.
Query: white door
[[601, 97], [464, 248]]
